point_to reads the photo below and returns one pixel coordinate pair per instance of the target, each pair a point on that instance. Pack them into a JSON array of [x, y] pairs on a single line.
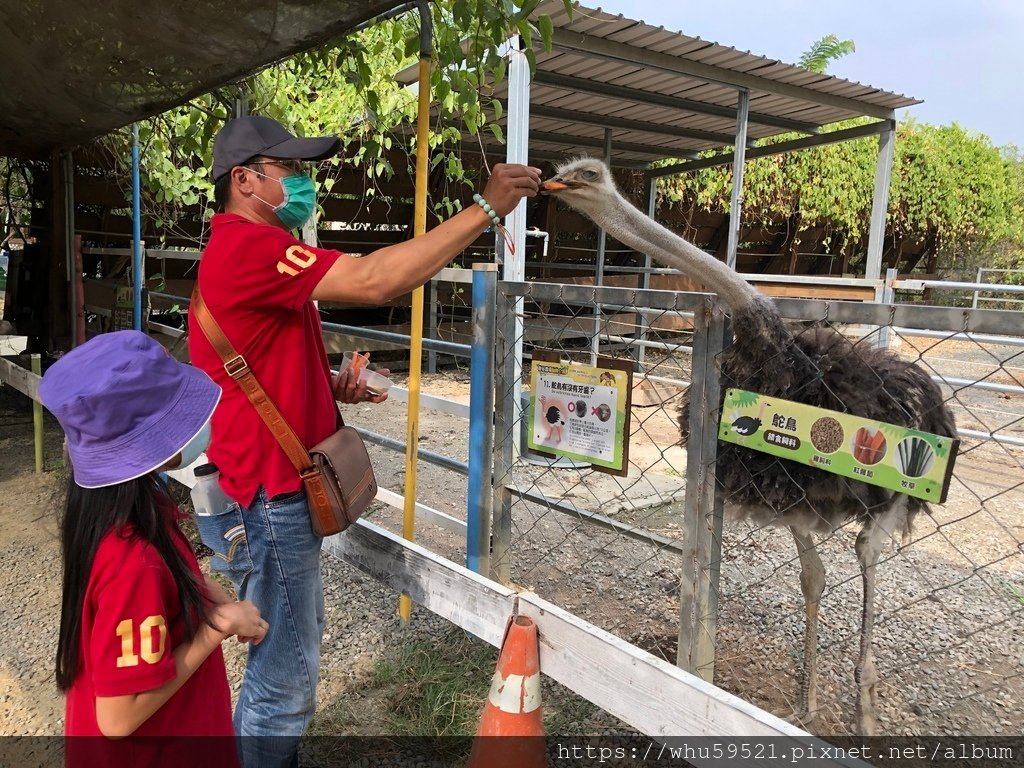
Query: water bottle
[[207, 496]]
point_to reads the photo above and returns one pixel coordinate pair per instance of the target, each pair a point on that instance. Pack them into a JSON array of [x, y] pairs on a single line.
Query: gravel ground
[[950, 604], [362, 622]]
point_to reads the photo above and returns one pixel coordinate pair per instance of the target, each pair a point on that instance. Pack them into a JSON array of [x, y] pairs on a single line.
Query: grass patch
[[1015, 592], [435, 686]]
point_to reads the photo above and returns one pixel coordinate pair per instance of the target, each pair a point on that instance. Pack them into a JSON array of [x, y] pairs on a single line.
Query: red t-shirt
[[131, 625], [257, 279]]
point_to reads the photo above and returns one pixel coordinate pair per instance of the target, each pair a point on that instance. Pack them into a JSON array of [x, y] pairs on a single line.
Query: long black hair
[[89, 514]]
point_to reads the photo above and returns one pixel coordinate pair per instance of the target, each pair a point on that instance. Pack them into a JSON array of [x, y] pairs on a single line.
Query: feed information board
[[906, 460]]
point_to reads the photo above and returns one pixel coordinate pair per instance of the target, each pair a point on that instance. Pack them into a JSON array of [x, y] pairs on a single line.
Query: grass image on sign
[[905, 460]]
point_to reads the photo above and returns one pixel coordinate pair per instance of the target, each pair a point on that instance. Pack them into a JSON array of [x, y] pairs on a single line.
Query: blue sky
[[963, 58]]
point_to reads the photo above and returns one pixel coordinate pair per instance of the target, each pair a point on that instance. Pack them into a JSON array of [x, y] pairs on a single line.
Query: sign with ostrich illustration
[[580, 412], [906, 460]]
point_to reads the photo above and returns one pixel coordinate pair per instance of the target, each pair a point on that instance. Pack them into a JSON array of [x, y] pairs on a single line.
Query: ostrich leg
[[812, 584], [869, 546]]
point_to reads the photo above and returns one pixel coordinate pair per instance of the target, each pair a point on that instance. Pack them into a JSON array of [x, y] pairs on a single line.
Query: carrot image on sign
[[868, 445]]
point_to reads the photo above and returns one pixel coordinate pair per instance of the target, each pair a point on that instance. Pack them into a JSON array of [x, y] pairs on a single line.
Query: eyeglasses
[[295, 166]]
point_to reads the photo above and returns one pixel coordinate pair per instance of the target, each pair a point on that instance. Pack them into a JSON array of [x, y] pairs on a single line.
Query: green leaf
[[547, 31]]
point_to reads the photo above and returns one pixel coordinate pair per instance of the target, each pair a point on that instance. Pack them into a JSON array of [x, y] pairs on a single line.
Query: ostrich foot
[[867, 699], [806, 718]]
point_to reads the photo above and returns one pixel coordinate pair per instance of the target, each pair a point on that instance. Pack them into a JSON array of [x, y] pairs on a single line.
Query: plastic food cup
[[375, 382], [346, 360]]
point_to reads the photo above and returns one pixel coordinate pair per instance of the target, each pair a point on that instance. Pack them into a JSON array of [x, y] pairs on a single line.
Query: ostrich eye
[[589, 175]]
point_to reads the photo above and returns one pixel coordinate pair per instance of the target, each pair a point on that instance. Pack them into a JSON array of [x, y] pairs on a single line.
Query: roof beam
[[579, 84], [554, 158], [767, 150], [622, 52], [569, 139], [590, 118]]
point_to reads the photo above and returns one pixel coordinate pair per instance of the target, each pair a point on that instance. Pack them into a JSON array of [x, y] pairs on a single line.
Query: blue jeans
[[272, 557]]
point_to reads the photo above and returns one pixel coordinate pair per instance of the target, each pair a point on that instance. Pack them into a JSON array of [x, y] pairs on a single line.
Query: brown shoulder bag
[[336, 473]]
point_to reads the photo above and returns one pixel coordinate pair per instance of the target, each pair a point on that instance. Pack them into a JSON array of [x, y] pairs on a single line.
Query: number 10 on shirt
[[151, 650], [298, 256]]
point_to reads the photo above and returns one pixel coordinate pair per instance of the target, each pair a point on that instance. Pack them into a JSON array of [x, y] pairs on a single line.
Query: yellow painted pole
[[412, 431], [37, 415]]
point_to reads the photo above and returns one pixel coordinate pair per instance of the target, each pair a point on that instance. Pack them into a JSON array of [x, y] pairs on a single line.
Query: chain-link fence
[[646, 555]]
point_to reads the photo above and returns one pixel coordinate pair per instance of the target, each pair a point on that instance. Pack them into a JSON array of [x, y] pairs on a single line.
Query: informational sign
[[121, 318], [906, 460], [581, 412]]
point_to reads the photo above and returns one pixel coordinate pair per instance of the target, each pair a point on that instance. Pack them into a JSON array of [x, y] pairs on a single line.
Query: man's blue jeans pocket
[[225, 535]]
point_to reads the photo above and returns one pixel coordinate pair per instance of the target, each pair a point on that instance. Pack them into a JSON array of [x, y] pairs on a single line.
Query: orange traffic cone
[[513, 706]]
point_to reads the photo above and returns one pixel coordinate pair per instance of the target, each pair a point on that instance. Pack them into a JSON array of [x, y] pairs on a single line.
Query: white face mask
[[195, 446]]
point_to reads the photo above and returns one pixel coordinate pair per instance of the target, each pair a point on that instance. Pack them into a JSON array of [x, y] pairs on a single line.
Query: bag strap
[[238, 369]]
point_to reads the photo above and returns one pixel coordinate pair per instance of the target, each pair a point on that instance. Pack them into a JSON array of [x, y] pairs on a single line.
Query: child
[[140, 629]]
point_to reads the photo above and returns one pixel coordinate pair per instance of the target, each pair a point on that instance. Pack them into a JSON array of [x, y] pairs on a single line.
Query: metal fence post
[[642, 323], [698, 595], [880, 201], [506, 430], [481, 418], [432, 323], [888, 297], [36, 362], [602, 244]]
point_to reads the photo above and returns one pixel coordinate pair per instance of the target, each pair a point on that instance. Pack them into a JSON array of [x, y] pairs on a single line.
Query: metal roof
[[74, 71], [666, 94]]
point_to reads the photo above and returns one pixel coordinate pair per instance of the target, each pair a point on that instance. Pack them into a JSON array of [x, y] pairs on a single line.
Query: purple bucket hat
[[126, 406]]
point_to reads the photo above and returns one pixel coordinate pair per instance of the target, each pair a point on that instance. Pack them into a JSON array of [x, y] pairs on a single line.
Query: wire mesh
[[949, 596]]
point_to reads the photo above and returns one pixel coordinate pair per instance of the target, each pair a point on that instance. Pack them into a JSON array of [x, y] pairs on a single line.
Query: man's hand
[[348, 388], [509, 184]]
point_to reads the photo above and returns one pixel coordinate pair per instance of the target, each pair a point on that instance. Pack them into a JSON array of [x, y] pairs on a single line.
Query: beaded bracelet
[[496, 219], [479, 200]]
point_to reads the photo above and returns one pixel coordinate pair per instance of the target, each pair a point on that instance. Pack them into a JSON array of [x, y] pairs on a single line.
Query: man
[[259, 283]]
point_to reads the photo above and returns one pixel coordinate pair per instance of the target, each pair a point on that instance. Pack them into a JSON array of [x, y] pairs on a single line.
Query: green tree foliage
[[945, 180], [15, 202], [824, 51], [347, 89]]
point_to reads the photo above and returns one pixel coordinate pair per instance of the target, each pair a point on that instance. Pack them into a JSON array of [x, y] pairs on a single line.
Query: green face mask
[[299, 200]]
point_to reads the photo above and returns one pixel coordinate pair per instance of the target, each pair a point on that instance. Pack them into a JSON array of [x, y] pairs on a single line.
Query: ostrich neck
[[630, 226]]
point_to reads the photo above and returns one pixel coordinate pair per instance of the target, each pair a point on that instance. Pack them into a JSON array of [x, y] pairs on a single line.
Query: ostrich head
[[586, 184]]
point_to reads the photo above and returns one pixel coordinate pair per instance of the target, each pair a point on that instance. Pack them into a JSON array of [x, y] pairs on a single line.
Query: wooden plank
[[646, 692], [837, 292], [101, 190], [360, 241], [20, 379], [478, 605], [372, 210]]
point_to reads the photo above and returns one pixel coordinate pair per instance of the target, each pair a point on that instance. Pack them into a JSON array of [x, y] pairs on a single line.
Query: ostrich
[[819, 367]]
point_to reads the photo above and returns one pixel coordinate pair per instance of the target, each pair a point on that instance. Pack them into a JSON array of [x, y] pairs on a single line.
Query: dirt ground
[[950, 600], [950, 603]]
